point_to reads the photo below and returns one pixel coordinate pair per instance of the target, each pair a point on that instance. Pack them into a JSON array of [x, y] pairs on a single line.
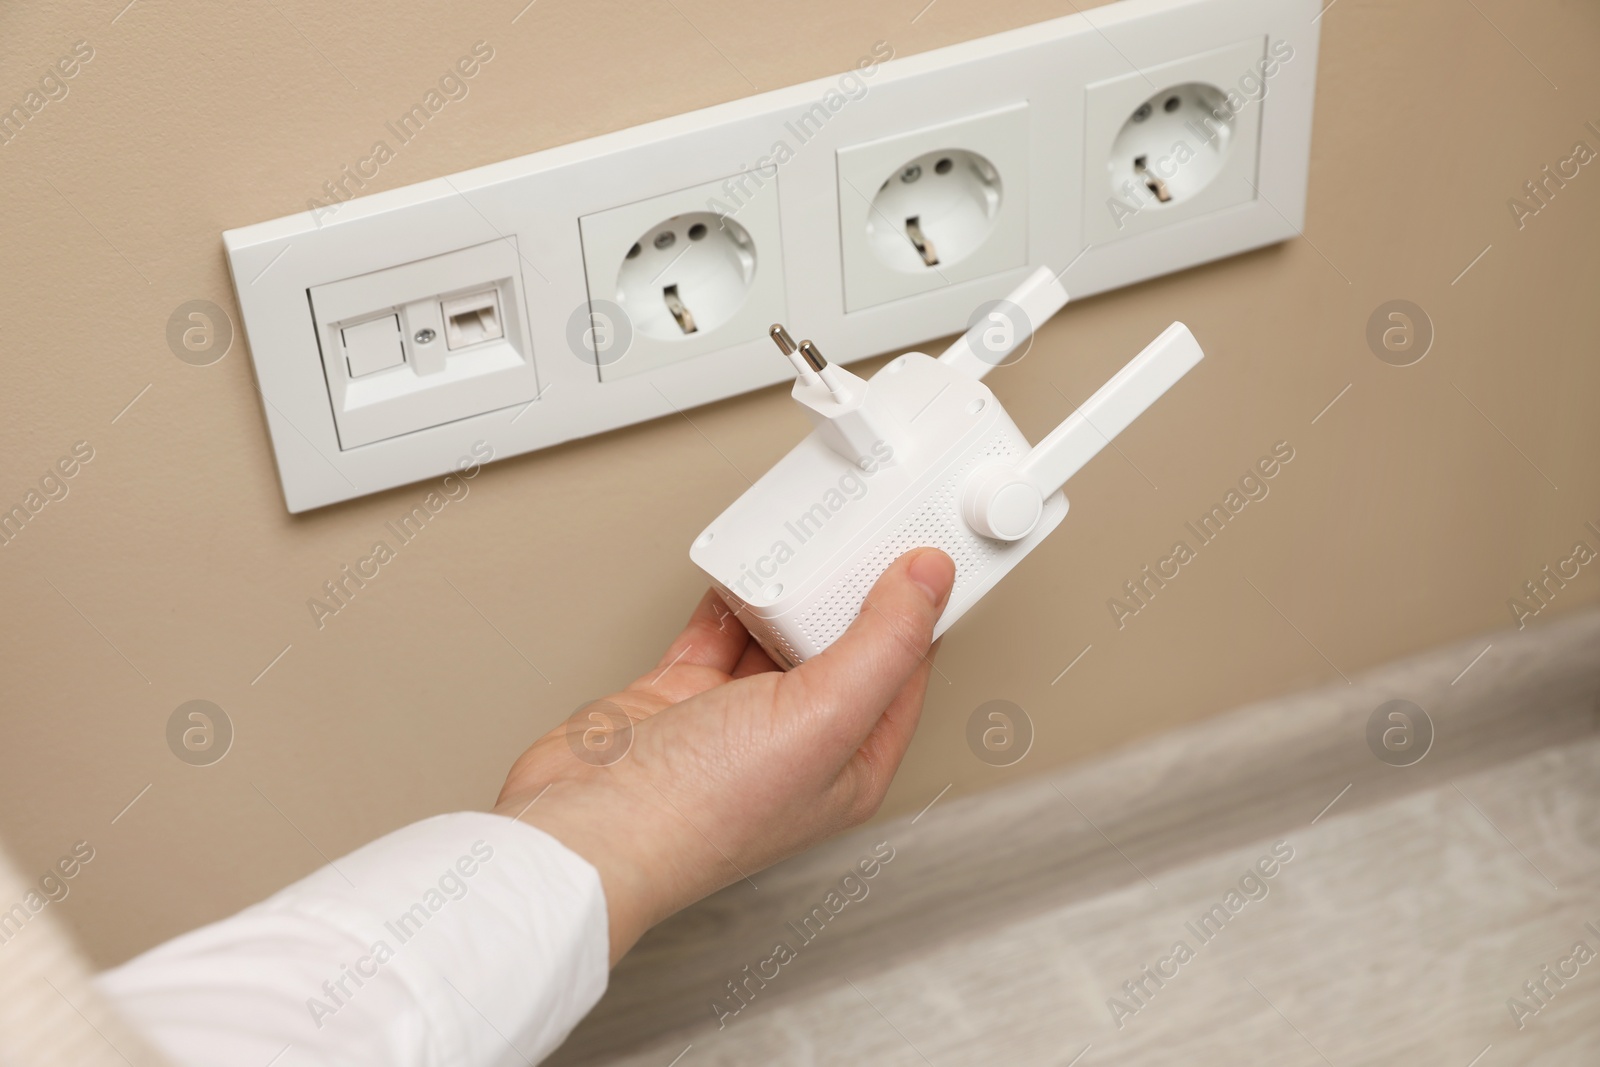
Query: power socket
[[878, 206], [923, 210], [687, 280], [923, 454], [1176, 141]]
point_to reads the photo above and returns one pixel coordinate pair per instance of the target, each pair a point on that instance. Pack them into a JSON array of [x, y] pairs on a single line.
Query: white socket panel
[[518, 268], [1209, 164], [724, 271], [952, 179]]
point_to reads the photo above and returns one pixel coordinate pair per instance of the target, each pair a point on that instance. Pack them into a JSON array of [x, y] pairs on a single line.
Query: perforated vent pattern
[[766, 634], [769, 638], [937, 524]]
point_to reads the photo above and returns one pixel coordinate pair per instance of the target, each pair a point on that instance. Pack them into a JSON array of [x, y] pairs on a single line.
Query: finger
[[851, 682], [864, 781], [886, 746], [713, 637], [754, 661]]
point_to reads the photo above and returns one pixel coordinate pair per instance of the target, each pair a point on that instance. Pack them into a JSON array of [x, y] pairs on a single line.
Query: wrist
[[630, 846]]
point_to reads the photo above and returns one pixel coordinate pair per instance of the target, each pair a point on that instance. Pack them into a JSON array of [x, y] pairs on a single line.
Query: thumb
[[854, 679]]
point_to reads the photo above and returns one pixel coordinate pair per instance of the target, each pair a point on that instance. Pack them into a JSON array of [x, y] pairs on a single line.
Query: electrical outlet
[[880, 207], [1174, 141], [690, 279], [922, 210]]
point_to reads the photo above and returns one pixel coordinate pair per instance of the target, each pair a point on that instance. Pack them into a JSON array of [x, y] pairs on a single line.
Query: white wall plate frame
[[533, 204]]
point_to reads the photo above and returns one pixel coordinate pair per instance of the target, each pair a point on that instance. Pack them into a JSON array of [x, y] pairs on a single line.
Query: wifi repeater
[[922, 455]]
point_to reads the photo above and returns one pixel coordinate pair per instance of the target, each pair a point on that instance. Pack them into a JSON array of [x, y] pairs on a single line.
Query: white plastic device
[[923, 454]]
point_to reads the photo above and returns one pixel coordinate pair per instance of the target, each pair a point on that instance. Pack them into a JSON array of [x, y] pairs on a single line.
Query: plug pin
[[824, 370], [920, 242], [680, 312], [813, 355], [1155, 184], [781, 338], [786, 345]]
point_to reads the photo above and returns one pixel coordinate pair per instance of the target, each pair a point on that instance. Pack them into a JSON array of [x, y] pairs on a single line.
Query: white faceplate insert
[[530, 207], [747, 299], [439, 378], [1109, 105], [1000, 138]]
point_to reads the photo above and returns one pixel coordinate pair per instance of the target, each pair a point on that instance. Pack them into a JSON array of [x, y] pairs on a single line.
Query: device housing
[[922, 455], [795, 556]]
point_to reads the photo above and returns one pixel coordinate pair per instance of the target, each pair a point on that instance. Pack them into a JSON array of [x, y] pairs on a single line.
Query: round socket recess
[[936, 210], [687, 276], [1173, 145]]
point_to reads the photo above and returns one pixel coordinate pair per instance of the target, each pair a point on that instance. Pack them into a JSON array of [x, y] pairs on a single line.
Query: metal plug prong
[[786, 345], [825, 371], [781, 338]]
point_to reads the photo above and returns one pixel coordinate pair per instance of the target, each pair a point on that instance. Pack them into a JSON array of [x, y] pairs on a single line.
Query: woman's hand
[[716, 764]]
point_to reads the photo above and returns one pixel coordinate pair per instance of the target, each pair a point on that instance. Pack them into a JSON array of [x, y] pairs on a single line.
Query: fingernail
[[935, 573]]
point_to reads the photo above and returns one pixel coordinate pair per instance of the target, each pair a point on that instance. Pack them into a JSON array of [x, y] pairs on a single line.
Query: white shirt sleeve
[[467, 939]]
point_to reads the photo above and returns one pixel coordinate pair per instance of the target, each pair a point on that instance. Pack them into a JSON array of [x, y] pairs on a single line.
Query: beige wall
[[1405, 518]]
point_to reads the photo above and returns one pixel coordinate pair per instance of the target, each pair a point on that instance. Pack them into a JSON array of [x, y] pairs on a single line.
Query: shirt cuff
[[444, 942]]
